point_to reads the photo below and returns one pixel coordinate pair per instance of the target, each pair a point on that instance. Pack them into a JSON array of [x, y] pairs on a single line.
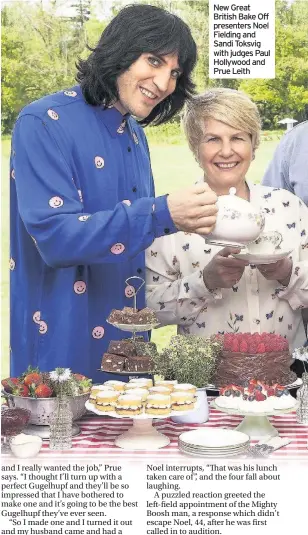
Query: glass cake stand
[[255, 424], [141, 435], [129, 327]]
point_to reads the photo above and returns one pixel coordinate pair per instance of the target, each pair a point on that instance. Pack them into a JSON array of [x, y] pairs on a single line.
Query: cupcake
[[106, 400], [182, 401], [185, 387], [142, 392], [117, 385], [129, 405], [168, 384], [158, 404], [143, 381], [96, 389]]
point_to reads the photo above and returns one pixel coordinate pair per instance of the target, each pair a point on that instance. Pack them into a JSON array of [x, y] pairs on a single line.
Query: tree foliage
[[40, 49]]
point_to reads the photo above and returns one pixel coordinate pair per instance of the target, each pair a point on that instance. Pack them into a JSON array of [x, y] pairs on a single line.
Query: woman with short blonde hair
[[222, 104]]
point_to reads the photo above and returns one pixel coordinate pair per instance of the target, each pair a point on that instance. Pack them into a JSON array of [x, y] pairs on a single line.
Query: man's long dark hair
[[138, 29]]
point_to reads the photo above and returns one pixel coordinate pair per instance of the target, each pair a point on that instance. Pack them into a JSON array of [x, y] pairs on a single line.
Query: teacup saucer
[[225, 243], [262, 258]]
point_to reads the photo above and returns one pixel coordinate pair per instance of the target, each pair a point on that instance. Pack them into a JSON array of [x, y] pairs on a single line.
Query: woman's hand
[[280, 271], [224, 271]]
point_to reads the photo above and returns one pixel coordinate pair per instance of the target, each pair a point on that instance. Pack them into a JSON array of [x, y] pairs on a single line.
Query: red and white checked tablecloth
[[99, 432]]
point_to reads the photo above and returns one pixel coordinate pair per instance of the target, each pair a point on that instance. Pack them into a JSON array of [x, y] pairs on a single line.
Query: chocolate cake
[[113, 363], [130, 316], [125, 348], [129, 355], [245, 356], [138, 364]]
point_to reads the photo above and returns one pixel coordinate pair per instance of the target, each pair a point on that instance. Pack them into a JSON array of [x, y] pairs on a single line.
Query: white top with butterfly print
[[176, 291]]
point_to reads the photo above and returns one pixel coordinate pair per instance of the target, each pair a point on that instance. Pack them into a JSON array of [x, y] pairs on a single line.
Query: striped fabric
[[99, 432]]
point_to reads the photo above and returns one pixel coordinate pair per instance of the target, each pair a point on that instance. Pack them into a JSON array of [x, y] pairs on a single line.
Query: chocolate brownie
[[130, 316], [125, 348], [146, 316], [113, 363], [138, 364]]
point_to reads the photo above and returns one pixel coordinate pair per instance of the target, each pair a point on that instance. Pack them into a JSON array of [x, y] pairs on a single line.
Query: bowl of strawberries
[[35, 391]]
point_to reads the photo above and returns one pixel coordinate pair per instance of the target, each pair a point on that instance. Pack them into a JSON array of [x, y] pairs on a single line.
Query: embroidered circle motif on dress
[[53, 115], [70, 93], [127, 202], [130, 291], [13, 174], [80, 195], [12, 264], [36, 317], [98, 332], [117, 248], [83, 217], [43, 327], [99, 162], [55, 202], [80, 287]]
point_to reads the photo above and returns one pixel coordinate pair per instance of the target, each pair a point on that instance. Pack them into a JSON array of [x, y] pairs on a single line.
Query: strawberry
[[30, 369], [261, 348], [43, 391], [21, 390], [259, 396], [270, 391], [9, 383], [33, 379], [243, 346], [83, 383], [253, 382], [79, 376]]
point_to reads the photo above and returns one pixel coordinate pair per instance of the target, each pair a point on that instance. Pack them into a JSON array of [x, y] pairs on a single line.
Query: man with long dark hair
[[83, 208]]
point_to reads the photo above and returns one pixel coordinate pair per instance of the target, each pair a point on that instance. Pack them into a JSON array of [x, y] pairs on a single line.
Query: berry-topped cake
[[256, 397], [245, 356]]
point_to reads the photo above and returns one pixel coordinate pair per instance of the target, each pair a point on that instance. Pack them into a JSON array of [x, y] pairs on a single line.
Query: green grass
[[174, 168]]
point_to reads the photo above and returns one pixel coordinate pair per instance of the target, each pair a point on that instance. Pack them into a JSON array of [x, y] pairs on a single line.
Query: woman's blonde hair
[[229, 106]]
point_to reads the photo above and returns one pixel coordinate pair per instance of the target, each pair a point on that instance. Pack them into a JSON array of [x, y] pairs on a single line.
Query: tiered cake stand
[[254, 424], [133, 328], [141, 435]]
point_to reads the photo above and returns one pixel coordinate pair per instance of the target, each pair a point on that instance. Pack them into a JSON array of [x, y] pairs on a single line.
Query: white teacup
[[266, 243]]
